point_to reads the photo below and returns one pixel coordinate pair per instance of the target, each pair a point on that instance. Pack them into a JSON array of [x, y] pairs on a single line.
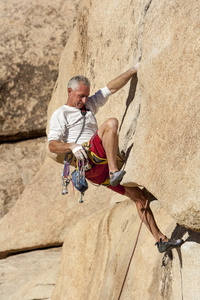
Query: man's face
[[79, 97]]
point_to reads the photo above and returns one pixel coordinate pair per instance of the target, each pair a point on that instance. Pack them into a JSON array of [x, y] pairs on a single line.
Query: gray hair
[[74, 82]]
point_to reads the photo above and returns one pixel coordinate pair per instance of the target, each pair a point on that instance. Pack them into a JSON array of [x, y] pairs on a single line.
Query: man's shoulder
[[98, 99], [60, 113], [59, 109]]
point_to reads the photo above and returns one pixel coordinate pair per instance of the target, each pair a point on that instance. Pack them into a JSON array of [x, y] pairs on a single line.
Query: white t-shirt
[[66, 122]]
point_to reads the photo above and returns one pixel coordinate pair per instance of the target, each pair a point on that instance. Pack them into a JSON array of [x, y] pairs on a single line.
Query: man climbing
[[66, 126]]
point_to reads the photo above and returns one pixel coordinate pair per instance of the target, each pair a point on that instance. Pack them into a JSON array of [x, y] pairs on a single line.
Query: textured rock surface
[[94, 264], [159, 131], [165, 156], [42, 216], [159, 115], [19, 162], [33, 34], [29, 275]]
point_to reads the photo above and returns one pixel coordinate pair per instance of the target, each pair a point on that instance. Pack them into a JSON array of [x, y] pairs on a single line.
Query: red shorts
[[99, 173]]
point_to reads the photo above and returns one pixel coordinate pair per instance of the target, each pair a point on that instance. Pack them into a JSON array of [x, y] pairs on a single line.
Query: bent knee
[[112, 123]]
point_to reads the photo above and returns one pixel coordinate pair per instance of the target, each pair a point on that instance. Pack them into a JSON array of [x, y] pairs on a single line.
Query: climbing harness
[[93, 157], [78, 175], [146, 205], [97, 160]]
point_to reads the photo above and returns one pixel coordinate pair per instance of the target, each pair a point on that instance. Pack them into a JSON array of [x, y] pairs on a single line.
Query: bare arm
[[60, 147], [120, 81]]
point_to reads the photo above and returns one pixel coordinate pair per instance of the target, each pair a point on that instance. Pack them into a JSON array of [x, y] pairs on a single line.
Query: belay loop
[[78, 175]]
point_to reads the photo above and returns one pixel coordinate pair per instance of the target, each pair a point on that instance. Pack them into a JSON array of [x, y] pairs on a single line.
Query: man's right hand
[[61, 148], [79, 152]]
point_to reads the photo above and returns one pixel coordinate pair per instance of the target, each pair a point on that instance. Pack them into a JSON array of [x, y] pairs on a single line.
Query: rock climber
[[65, 125]]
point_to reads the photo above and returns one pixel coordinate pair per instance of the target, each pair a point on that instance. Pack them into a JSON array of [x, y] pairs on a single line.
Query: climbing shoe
[[163, 246], [116, 177]]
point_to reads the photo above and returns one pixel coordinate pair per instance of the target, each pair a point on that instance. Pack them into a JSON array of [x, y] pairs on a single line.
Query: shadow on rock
[[131, 95]]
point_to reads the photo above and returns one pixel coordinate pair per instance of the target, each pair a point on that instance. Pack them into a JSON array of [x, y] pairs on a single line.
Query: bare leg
[[137, 195], [108, 134]]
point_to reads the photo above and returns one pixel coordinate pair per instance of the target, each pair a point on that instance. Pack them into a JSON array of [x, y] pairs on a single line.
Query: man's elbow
[[51, 146]]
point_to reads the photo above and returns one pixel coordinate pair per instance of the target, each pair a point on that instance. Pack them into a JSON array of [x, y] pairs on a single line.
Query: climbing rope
[[134, 248]]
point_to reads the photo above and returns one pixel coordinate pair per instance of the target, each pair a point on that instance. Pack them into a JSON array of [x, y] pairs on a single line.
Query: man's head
[[78, 91]]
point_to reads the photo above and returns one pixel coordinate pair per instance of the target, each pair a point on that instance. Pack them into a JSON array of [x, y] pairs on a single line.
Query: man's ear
[[69, 90]]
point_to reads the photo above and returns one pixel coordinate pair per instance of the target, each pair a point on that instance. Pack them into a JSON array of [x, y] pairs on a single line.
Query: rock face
[[158, 115], [159, 129], [42, 217], [29, 275], [94, 264], [19, 162], [167, 139], [33, 34]]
